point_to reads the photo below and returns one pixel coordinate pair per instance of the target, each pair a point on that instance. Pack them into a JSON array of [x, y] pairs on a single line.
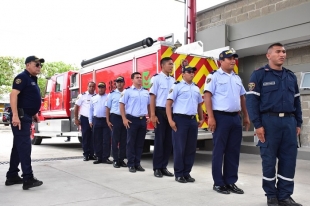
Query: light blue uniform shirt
[[161, 85], [226, 90], [113, 102], [186, 98], [97, 108], [136, 101], [83, 100]]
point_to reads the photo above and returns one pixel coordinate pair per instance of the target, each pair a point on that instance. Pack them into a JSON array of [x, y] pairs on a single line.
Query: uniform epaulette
[[127, 87], [177, 82], [83, 93], [112, 91], [213, 72], [155, 75], [288, 70], [94, 95], [144, 88], [171, 76], [195, 84]]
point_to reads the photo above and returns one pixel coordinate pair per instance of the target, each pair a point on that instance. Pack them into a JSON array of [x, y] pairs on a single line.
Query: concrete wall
[[242, 10]]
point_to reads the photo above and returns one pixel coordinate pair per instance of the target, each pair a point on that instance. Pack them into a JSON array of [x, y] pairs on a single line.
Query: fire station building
[[250, 26]]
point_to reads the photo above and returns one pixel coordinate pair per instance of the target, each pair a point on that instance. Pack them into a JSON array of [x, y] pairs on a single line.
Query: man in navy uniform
[[115, 123], [98, 123], [25, 101], [137, 100], [224, 99], [273, 102], [186, 99], [81, 109], [160, 86]]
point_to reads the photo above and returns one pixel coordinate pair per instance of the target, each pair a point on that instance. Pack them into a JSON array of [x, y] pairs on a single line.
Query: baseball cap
[[119, 79], [227, 54], [187, 68], [101, 85], [34, 58]]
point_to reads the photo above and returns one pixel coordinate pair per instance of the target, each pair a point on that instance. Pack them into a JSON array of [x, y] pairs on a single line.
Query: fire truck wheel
[[36, 140], [80, 139]]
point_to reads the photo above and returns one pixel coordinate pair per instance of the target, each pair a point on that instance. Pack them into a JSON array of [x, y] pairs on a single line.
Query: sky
[[74, 30]]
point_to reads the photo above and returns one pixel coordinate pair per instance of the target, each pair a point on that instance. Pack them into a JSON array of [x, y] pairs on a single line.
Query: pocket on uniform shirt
[[223, 86], [185, 94]]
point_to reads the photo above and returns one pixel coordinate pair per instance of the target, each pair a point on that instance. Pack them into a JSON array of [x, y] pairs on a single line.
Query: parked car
[[5, 118]]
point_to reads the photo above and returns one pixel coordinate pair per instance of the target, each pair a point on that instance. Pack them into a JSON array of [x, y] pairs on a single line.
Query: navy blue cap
[[101, 85], [227, 54], [119, 79], [184, 69], [33, 58]]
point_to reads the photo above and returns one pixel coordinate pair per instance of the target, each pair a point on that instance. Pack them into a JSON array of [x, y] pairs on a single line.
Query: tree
[[10, 66]]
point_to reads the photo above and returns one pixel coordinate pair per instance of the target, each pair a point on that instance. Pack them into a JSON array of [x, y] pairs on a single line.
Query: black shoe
[[233, 188], [107, 161], [93, 157], [180, 179], [122, 163], [67, 140], [13, 180], [221, 189], [86, 158], [288, 202], [272, 201], [132, 169], [116, 164], [165, 172], [139, 168], [97, 162], [189, 179], [157, 173], [33, 182]]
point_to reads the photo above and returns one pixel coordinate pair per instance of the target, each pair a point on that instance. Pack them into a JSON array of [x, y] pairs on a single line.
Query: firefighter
[[25, 103], [115, 123], [160, 85], [98, 123], [137, 100], [81, 112], [273, 102], [224, 98], [186, 99]]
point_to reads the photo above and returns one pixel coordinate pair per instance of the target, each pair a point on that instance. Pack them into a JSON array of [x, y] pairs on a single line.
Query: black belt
[[226, 113], [280, 114], [161, 108], [116, 114], [185, 115], [141, 117], [99, 117]]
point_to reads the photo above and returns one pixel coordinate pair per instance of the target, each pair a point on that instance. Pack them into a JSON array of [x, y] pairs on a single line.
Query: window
[[305, 81], [59, 84], [49, 86]]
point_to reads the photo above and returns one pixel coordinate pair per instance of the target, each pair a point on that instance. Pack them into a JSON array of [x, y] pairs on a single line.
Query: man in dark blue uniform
[[273, 102], [224, 99], [186, 99], [160, 86], [25, 103]]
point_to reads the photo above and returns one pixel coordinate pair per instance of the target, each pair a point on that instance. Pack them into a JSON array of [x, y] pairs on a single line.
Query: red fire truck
[[62, 90]]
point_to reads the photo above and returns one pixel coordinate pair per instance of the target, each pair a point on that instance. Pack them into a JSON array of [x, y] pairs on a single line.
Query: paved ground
[[74, 182]]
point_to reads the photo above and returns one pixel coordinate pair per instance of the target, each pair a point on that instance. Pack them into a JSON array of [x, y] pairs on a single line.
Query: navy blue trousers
[[184, 142], [21, 150], [163, 140], [102, 137], [119, 137], [135, 140], [281, 144], [226, 149], [88, 141]]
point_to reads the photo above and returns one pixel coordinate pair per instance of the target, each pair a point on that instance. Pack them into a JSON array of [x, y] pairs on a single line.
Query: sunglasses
[[39, 65]]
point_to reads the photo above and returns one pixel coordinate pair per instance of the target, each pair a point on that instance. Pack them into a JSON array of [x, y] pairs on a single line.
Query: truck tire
[[80, 139], [36, 140]]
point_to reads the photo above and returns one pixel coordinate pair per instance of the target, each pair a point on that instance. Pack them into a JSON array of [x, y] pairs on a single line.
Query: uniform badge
[[18, 81], [170, 91], [122, 94], [151, 85], [251, 86], [208, 80]]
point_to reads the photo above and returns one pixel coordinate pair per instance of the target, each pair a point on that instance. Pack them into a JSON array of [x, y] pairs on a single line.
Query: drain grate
[[48, 159]]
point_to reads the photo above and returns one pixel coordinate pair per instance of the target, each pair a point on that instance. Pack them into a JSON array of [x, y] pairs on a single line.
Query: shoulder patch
[[251, 86], [177, 82], [171, 90], [18, 81]]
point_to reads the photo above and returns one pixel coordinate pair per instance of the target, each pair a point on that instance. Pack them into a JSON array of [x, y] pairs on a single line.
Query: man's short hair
[[164, 60], [133, 75], [91, 82], [274, 44]]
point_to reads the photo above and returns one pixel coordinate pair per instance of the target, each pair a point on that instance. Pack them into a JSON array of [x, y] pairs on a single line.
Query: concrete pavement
[[74, 182]]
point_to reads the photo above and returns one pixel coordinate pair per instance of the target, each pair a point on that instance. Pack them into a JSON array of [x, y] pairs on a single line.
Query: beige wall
[[242, 10]]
